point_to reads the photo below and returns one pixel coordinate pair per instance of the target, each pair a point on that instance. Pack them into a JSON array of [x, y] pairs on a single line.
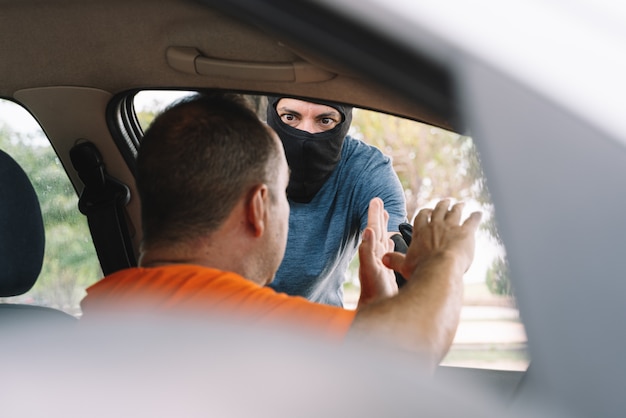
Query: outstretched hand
[[424, 315], [438, 233], [377, 281]]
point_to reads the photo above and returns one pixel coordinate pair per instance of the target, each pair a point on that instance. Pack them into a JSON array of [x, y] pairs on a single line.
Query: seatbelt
[[103, 200]]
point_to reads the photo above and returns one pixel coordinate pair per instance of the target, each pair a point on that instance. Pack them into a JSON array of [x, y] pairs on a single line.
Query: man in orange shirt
[[212, 181]]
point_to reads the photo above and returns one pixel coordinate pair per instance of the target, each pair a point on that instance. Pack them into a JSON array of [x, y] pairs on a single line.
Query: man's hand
[[377, 281], [424, 315], [438, 233]]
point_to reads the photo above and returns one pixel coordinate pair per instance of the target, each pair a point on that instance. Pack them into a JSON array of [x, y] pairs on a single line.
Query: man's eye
[[288, 117], [328, 122]]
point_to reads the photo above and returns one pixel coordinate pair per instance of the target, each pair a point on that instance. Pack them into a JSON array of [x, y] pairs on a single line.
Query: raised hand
[[438, 233], [377, 281], [424, 315]]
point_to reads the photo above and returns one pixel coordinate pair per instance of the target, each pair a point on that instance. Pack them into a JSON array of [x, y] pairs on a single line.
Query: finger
[[394, 261], [383, 233], [440, 211], [454, 215], [473, 221], [374, 214], [367, 238], [381, 221], [422, 218], [367, 246]]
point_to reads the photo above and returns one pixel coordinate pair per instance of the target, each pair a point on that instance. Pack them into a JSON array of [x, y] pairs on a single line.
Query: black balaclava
[[311, 157]]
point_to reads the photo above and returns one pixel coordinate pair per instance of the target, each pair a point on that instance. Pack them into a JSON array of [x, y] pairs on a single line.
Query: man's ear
[[257, 208]]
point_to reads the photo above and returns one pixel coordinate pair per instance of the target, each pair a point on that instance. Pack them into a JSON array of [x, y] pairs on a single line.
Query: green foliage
[[70, 262], [145, 118], [431, 163], [498, 278]]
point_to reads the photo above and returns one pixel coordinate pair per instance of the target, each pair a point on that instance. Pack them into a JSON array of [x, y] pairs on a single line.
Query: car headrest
[[22, 237]]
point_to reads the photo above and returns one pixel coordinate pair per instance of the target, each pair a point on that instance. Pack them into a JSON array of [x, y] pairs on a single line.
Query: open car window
[[431, 163], [70, 262]]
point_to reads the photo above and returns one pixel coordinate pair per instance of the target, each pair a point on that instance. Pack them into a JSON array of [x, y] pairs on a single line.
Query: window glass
[[433, 163], [150, 103], [70, 262]]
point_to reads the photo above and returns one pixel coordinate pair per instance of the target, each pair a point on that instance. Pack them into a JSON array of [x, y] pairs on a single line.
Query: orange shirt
[[196, 289]]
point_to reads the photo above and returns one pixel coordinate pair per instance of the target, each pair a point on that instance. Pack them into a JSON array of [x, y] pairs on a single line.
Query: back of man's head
[[195, 162]]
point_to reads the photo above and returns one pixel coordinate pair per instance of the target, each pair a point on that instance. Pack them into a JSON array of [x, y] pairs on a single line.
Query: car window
[[70, 261], [431, 163], [150, 103]]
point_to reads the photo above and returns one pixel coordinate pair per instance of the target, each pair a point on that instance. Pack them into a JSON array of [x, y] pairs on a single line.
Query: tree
[[498, 279], [431, 163], [70, 263]]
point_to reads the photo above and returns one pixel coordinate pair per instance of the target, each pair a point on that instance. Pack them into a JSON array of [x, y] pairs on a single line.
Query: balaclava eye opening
[[311, 157]]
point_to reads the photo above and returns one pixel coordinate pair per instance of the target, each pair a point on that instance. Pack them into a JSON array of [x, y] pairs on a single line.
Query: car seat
[[22, 242]]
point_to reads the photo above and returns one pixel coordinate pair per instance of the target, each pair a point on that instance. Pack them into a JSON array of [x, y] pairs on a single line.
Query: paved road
[[490, 325]]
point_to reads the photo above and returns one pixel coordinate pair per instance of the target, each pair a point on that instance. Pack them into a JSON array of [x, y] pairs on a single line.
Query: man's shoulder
[[356, 149], [358, 144]]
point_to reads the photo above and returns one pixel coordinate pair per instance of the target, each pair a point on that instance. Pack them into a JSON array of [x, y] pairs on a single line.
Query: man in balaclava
[[333, 178]]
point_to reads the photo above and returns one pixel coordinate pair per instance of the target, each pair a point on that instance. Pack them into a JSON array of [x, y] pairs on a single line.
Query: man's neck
[[204, 255]]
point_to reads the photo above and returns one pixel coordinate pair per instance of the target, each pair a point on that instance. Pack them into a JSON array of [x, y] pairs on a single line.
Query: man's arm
[[423, 316]]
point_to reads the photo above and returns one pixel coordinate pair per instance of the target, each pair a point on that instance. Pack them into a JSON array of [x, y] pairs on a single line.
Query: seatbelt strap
[[102, 201]]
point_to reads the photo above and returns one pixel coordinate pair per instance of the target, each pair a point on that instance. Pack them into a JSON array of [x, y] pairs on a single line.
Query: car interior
[[77, 67], [23, 242]]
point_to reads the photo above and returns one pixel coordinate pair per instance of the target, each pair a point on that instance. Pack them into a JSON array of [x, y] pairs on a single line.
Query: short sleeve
[[380, 180]]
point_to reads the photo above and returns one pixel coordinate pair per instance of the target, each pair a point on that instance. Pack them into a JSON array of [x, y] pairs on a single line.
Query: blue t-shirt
[[324, 234]]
